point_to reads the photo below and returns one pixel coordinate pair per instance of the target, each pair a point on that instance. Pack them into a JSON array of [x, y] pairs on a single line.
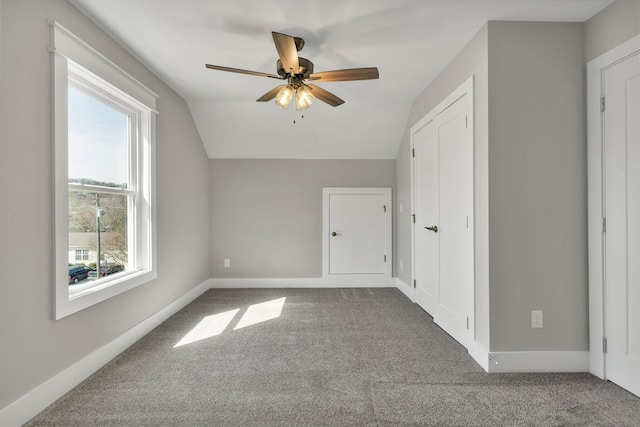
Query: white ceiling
[[410, 41]]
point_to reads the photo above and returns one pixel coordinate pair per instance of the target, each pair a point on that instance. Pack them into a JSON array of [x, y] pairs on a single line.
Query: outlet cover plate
[[536, 319]]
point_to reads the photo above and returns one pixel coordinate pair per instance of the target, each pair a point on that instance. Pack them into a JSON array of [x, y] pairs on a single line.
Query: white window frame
[[76, 63]]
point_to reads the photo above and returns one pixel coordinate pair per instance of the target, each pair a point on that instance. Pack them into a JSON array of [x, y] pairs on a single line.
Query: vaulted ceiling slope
[[410, 41]]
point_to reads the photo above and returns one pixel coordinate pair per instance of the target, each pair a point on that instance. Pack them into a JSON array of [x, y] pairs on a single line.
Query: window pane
[[98, 142], [99, 222]]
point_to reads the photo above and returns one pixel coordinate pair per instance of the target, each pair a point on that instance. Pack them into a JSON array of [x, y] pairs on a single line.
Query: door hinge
[[385, 258], [601, 103], [467, 322], [385, 208], [414, 283], [413, 152], [604, 224], [604, 344], [466, 121], [414, 218]]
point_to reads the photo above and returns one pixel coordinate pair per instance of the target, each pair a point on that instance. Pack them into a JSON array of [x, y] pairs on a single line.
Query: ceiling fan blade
[[346, 75], [238, 70], [325, 96], [271, 94], [286, 47]]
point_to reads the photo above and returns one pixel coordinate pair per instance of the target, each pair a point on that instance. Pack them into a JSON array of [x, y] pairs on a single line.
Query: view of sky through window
[[97, 141]]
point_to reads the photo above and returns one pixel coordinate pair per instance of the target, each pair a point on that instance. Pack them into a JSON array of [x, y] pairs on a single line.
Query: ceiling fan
[[297, 71]]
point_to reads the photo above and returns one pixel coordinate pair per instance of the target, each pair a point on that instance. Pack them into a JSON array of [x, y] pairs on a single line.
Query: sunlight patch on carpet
[[208, 327], [258, 313], [216, 324]]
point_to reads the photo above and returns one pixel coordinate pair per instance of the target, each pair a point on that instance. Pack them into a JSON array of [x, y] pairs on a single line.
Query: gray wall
[[537, 186], [34, 348], [530, 182], [614, 25], [471, 61], [266, 215]]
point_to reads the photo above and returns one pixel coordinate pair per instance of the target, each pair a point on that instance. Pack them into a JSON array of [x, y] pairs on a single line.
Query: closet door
[[621, 140], [357, 235], [427, 211], [456, 288], [443, 230]]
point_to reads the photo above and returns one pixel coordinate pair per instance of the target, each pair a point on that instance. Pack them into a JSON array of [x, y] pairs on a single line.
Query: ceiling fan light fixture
[[283, 99], [304, 98], [296, 71]]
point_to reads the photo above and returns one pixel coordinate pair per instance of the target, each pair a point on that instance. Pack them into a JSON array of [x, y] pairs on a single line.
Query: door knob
[[334, 234], [434, 228]]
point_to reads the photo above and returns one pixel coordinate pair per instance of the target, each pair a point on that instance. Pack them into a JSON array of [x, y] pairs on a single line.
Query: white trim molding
[[327, 192], [480, 355], [405, 289], [32, 403], [356, 281], [595, 70], [70, 46], [537, 361]]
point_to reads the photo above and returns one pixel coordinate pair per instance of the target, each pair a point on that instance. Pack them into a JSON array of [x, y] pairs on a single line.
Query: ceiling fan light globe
[[283, 99], [304, 98]]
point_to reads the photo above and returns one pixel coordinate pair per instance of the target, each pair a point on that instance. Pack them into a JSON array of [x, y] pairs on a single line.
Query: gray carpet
[[333, 357]]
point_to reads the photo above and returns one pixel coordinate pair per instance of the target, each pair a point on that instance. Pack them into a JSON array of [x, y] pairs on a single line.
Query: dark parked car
[[104, 270], [77, 273]]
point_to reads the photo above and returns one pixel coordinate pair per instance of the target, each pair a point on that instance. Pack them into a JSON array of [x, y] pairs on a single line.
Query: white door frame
[[357, 279], [595, 70], [464, 88]]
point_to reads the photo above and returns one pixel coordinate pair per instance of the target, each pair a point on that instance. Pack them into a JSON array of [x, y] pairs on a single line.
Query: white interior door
[[456, 290], [427, 211], [621, 139], [358, 231], [443, 205]]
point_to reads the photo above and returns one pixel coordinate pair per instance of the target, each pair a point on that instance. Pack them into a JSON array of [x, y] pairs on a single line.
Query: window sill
[[84, 296]]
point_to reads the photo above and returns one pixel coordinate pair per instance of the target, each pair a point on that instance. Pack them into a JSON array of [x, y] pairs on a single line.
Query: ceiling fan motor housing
[[306, 68]]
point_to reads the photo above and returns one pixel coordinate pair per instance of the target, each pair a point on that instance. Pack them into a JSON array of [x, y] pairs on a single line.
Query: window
[[82, 255], [103, 175]]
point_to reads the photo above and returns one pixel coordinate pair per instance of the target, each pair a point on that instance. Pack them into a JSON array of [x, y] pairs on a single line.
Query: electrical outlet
[[227, 263], [536, 318]]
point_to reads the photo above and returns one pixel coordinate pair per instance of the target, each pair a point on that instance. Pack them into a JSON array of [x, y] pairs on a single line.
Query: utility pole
[[99, 213], [98, 271]]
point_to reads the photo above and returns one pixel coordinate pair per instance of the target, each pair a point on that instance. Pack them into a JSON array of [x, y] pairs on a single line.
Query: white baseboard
[[538, 361], [350, 281], [480, 355], [32, 403], [406, 289]]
